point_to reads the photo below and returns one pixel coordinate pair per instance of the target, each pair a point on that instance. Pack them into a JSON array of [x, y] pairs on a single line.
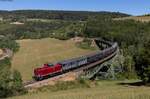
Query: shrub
[[10, 81]]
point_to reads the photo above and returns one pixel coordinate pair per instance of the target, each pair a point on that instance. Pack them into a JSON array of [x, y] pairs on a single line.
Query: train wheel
[[39, 78]]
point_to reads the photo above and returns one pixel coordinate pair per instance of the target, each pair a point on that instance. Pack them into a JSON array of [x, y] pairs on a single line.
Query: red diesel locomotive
[[46, 70]]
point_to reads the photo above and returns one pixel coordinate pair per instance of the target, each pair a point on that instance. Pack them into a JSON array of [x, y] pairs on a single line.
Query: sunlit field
[[34, 53], [137, 18]]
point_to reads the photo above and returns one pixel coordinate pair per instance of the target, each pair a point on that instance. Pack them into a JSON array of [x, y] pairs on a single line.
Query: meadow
[[137, 18], [34, 53], [102, 90]]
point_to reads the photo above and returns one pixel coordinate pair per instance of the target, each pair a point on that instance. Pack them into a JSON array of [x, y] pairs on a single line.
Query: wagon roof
[[73, 59]]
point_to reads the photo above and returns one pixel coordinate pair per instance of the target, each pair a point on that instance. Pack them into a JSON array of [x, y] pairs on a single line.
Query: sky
[[133, 7]]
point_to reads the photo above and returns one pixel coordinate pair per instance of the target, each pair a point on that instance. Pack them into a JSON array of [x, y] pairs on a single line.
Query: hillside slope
[[103, 90]]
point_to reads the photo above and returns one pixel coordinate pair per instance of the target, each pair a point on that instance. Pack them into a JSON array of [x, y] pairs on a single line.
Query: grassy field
[[138, 18], [103, 90], [34, 53]]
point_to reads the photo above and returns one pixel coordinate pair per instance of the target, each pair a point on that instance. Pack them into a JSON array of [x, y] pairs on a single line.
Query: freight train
[[48, 70]]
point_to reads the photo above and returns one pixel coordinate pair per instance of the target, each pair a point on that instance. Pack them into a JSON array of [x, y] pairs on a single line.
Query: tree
[[10, 81], [143, 63], [129, 67], [146, 74]]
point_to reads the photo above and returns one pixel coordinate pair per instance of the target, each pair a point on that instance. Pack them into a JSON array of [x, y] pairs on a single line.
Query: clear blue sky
[[134, 7]]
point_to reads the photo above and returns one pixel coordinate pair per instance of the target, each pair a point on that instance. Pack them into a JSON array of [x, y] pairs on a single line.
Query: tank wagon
[[48, 70]]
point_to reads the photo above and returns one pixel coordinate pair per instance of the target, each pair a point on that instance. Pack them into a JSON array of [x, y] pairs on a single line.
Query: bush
[[10, 81], [7, 42], [146, 75], [86, 44]]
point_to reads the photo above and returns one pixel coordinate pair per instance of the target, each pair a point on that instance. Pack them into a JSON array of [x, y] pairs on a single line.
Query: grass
[[103, 90], [34, 53], [137, 18], [66, 85]]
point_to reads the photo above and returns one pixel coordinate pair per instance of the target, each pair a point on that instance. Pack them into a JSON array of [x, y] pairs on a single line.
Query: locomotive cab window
[[50, 65]]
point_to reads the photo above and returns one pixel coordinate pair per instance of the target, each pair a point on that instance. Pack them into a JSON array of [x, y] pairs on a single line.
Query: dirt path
[[5, 53]]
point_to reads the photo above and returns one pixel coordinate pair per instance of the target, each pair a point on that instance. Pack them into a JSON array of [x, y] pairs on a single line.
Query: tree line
[[53, 14]]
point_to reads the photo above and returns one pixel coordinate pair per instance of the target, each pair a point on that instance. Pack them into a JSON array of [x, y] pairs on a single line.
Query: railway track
[[75, 72]]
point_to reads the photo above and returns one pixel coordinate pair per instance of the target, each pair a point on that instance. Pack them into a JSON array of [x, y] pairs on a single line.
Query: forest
[[53, 14]]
